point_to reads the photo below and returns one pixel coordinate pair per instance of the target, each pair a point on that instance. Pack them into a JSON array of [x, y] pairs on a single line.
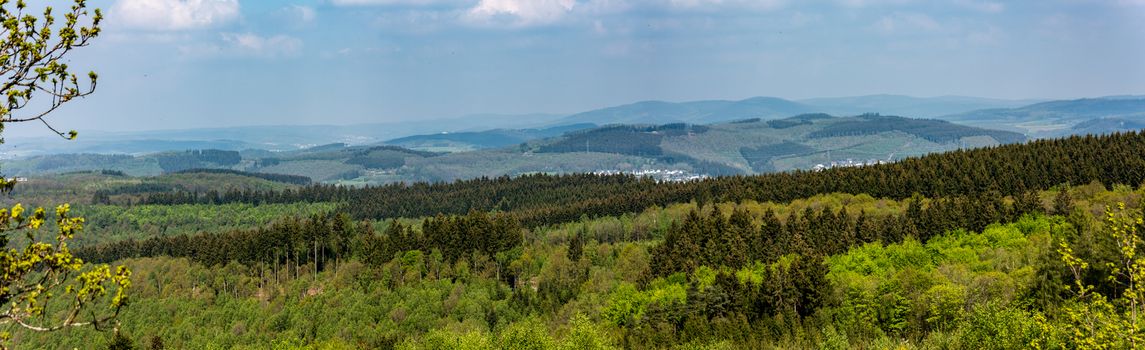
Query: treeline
[[283, 178], [169, 194], [550, 199], [630, 140], [103, 196], [454, 237], [107, 172], [802, 119], [311, 194], [176, 161], [322, 240], [397, 149], [546, 199], [937, 131], [386, 157]]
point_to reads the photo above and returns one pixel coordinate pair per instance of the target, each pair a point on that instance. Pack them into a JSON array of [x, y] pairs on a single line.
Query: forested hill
[[1056, 118], [952, 242], [937, 131], [947, 250], [800, 142], [1007, 170], [746, 146], [475, 140], [547, 199], [696, 112]]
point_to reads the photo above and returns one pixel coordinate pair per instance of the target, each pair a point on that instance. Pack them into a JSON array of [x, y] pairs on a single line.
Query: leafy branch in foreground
[[43, 287], [31, 53]]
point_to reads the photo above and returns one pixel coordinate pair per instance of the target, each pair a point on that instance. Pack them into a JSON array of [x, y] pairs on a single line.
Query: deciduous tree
[[44, 287]]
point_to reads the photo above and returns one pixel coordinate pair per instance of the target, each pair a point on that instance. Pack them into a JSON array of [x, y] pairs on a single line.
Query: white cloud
[[299, 14], [253, 44], [174, 14], [869, 3], [520, 12], [982, 6], [384, 2], [707, 4], [906, 21]]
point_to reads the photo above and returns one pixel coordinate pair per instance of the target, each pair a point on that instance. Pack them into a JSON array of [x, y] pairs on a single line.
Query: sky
[[167, 64]]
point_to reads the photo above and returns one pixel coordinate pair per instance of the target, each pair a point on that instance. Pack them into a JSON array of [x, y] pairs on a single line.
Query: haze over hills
[[697, 112], [915, 107], [474, 140], [712, 111], [266, 137], [292, 137], [678, 151], [1057, 118], [499, 141], [1039, 119]]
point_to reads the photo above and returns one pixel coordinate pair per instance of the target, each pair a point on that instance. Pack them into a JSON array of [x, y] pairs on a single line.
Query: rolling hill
[[800, 142], [746, 146], [915, 107], [475, 140], [714, 111], [485, 131], [264, 137], [696, 112], [1058, 118]]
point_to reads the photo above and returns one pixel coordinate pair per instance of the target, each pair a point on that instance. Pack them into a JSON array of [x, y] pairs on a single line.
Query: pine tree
[[1063, 202]]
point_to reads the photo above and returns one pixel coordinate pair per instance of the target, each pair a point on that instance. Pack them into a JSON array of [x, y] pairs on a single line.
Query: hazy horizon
[[171, 64], [22, 131]]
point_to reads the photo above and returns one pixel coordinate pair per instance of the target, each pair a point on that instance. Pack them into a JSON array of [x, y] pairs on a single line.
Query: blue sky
[[213, 63]]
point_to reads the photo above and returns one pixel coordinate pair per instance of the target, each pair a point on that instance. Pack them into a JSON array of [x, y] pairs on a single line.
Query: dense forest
[[178, 161], [549, 199], [915, 254], [933, 130]]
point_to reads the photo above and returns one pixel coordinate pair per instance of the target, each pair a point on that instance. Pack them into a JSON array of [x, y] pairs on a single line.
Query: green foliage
[[914, 288], [586, 335], [1093, 320], [109, 223], [993, 325], [45, 287], [529, 334], [929, 129], [923, 286]]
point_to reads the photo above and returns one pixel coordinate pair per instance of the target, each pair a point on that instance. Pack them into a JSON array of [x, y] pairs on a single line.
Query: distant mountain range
[[1059, 118], [1034, 119], [747, 146], [714, 111], [269, 137], [914, 107], [698, 112], [474, 140]]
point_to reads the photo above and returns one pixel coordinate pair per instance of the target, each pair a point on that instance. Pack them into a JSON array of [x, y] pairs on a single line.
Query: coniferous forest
[[945, 251]]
